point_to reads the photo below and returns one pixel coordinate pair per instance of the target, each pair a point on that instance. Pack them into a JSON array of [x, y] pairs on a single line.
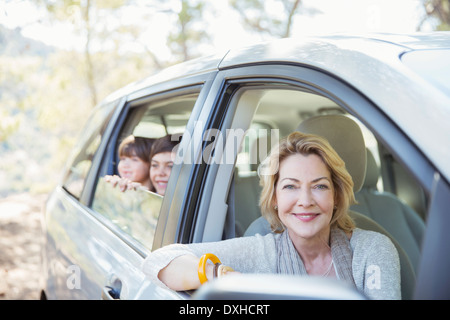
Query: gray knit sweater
[[375, 264]]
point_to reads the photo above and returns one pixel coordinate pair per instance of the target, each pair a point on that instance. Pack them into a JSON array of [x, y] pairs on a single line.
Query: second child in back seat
[[161, 163]]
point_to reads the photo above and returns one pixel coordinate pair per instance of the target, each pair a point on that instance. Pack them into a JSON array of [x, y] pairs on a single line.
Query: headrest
[[346, 137], [372, 171], [258, 151]]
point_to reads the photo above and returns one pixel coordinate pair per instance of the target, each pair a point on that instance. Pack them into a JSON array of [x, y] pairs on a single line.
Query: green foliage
[[263, 20], [190, 30], [8, 124], [45, 100], [439, 10]]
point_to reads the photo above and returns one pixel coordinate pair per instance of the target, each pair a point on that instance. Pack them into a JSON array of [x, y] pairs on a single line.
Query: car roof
[[372, 63]]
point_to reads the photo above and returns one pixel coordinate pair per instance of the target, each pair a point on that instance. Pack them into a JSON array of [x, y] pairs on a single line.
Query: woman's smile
[[306, 217]]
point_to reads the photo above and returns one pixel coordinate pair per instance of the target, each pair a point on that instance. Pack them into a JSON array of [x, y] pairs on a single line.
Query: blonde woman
[[306, 202]]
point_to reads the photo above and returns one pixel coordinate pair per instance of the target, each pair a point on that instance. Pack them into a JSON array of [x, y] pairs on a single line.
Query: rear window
[[83, 153]]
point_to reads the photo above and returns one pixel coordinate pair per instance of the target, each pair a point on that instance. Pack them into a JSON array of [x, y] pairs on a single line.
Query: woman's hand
[[181, 273], [223, 270]]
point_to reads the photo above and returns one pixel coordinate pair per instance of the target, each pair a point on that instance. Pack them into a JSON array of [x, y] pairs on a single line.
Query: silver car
[[229, 110]]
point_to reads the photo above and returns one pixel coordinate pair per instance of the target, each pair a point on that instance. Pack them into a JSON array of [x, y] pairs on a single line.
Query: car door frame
[[433, 283], [168, 89], [347, 96]]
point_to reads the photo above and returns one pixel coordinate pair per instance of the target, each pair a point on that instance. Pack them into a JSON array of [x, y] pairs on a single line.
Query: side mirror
[[276, 287]]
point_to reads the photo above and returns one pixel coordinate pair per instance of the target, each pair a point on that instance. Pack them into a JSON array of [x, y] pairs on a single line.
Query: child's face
[[161, 167], [134, 169]]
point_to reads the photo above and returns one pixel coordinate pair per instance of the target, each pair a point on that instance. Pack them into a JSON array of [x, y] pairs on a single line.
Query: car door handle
[[112, 290], [110, 293]]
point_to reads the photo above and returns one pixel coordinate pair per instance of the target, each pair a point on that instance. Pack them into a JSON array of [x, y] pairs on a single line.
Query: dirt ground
[[20, 245]]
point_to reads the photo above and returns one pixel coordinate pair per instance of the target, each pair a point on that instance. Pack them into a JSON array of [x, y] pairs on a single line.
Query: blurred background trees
[[46, 92], [257, 16], [439, 12]]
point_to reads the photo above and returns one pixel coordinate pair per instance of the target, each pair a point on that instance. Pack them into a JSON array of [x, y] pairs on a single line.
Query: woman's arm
[[175, 266], [181, 273], [376, 266]]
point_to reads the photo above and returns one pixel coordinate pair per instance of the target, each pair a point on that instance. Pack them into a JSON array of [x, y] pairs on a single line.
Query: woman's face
[[305, 196], [134, 168], [160, 169]]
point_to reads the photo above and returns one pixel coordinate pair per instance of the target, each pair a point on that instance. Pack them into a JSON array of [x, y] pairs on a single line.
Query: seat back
[[345, 136], [402, 222], [247, 191], [247, 185]]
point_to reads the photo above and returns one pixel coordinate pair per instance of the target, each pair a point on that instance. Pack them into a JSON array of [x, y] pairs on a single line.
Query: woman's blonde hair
[[305, 144]]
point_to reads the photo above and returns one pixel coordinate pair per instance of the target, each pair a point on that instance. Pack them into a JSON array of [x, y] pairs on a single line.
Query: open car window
[[390, 199], [389, 196], [136, 212]]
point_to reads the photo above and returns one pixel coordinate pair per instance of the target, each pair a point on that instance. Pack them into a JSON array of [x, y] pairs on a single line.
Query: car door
[[277, 98], [97, 237], [61, 269]]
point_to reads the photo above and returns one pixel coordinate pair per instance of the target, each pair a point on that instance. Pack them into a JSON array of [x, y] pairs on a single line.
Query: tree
[[261, 18], [84, 16], [437, 10], [190, 31], [79, 13], [47, 93]]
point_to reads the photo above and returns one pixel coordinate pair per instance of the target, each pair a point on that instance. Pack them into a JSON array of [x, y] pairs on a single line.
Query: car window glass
[[80, 160], [136, 211]]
